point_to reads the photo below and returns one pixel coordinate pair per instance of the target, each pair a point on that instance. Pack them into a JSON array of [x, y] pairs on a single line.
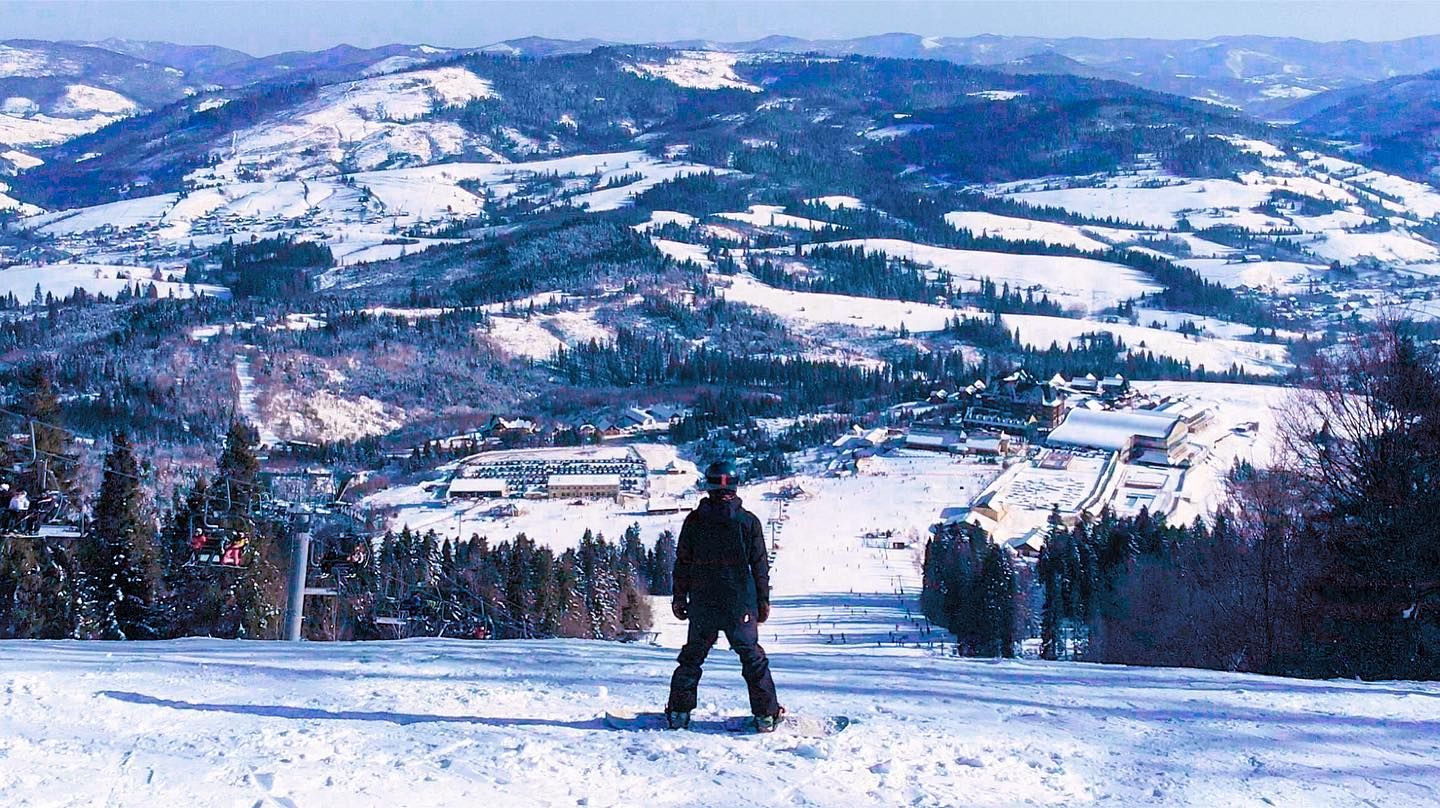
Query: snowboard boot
[[676, 719], [769, 723]]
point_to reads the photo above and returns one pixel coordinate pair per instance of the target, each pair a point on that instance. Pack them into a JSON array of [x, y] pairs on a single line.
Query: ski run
[[203, 722]]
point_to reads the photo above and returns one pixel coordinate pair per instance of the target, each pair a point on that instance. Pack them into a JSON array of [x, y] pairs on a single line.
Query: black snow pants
[[745, 640]]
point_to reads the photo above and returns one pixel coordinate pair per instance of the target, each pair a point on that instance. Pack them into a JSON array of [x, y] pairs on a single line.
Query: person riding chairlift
[[18, 508], [234, 553]]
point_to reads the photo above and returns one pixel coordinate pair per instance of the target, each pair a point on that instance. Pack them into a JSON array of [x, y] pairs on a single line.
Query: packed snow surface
[[427, 722]]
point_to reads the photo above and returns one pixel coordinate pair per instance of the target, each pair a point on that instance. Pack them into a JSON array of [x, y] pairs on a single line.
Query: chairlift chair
[[212, 544]]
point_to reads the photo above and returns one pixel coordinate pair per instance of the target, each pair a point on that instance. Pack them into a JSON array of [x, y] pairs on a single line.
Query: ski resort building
[[1141, 436], [477, 488], [1016, 402], [583, 471], [936, 439], [583, 486]]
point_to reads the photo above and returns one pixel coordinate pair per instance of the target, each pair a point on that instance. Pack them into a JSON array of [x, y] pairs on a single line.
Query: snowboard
[[803, 726]]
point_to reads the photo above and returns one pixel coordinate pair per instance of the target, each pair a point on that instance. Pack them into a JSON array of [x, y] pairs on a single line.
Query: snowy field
[[356, 216], [214, 723], [1151, 198], [816, 309], [1082, 283], [61, 280]]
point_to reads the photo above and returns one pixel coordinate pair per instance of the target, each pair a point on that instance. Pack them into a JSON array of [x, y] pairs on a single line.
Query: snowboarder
[[722, 584]]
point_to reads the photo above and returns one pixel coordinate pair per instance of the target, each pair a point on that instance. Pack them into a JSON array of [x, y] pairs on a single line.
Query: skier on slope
[[722, 584]]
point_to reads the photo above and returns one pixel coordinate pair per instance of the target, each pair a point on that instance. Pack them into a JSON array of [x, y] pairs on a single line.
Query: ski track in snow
[[427, 722], [247, 403]]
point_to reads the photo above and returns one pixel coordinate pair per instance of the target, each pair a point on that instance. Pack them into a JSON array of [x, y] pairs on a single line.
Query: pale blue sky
[[269, 27]]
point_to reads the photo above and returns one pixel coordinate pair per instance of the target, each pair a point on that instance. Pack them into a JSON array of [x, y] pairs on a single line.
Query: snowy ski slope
[[518, 723]]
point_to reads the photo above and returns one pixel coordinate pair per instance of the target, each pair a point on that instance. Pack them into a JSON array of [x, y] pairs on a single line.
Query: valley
[[1055, 370]]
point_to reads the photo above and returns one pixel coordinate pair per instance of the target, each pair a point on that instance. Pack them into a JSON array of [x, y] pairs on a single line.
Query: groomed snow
[[425, 722]]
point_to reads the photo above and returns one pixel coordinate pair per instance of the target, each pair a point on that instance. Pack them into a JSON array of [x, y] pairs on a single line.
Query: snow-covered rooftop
[[1112, 429]]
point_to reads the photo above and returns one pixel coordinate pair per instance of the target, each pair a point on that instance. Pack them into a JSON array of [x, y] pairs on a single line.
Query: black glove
[[681, 610], [764, 612]]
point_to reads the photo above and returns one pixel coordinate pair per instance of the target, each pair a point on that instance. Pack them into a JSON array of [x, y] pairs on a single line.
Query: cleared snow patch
[[1013, 228], [1083, 283], [838, 202], [774, 216], [997, 95], [80, 99], [702, 70]]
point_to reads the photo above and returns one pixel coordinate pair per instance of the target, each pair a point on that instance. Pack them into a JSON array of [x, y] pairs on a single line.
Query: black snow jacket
[[722, 571]]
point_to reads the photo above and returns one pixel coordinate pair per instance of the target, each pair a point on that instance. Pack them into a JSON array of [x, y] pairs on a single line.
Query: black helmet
[[721, 476]]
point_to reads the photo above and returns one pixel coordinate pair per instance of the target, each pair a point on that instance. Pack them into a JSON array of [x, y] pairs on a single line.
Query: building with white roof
[[1144, 436], [562, 486]]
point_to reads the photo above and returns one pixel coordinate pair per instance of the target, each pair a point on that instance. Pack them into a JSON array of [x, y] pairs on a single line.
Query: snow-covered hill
[[214, 723], [360, 125]]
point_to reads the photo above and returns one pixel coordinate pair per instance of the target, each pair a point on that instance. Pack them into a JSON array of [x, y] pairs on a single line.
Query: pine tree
[[120, 558], [51, 446], [238, 468], [36, 591], [997, 594], [662, 565]]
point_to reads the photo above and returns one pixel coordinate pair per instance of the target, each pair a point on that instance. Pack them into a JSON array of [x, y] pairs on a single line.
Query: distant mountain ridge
[[1395, 123], [1258, 74]]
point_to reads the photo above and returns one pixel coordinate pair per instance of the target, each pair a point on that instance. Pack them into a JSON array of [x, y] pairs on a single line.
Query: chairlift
[[344, 553], [51, 515], [219, 537]]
